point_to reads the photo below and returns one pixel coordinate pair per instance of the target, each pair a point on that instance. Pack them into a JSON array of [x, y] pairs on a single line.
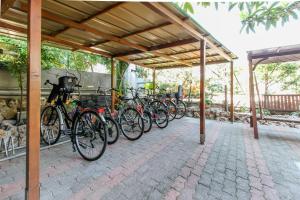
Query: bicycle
[[157, 114], [129, 119], [82, 125], [163, 102]]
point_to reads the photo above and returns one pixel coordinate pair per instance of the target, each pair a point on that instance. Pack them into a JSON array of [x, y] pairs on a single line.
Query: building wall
[[90, 81]]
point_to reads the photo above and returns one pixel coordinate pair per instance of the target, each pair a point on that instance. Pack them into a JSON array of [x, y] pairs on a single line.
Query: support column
[[252, 99], [154, 80], [202, 90], [32, 190], [113, 84], [231, 93]]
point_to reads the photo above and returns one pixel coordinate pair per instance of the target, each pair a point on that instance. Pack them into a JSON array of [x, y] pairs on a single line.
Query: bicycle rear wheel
[[131, 124], [181, 109], [90, 139], [161, 118], [50, 125], [147, 118], [171, 109], [113, 131]]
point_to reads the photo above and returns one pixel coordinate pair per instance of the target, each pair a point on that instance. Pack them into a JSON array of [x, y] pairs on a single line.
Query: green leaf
[[187, 6], [231, 6]]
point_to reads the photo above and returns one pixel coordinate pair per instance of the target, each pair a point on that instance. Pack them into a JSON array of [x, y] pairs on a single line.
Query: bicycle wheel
[[181, 109], [50, 125], [113, 131], [156, 104], [171, 109], [131, 124], [90, 140], [147, 118], [161, 118]]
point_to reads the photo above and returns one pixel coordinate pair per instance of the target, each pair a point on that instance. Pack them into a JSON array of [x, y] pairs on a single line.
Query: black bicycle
[[82, 125]]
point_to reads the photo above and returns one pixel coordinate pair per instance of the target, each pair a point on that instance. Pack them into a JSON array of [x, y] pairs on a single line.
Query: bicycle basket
[[67, 82], [92, 101]]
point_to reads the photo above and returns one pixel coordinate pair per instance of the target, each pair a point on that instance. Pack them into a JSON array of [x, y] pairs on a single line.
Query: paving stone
[[169, 163]]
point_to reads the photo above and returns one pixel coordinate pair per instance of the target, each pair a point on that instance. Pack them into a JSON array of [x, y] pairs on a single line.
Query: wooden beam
[[175, 54], [167, 14], [53, 17], [69, 23], [154, 80], [258, 95], [202, 90], [252, 99], [267, 55], [33, 101], [134, 33], [160, 47], [186, 59], [134, 62], [231, 92], [194, 65], [105, 10], [5, 5], [55, 40], [74, 45], [113, 84]]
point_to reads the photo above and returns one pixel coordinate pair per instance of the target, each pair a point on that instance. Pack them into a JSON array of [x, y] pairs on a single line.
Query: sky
[[225, 26]]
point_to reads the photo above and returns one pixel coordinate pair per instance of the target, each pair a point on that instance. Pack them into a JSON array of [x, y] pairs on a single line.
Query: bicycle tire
[[140, 123], [147, 121], [110, 124], [99, 132], [171, 109], [41, 125], [181, 109], [165, 122]]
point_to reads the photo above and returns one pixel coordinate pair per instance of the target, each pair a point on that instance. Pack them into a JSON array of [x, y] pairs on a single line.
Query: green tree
[[253, 14], [285, 75]]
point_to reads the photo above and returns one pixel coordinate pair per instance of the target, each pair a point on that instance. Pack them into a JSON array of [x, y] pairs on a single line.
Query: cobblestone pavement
[[171, 164]]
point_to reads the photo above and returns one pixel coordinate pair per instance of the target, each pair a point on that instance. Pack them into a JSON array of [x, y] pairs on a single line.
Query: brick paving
[[171, 164]]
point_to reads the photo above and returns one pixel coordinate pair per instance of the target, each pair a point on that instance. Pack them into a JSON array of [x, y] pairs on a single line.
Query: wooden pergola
[[152, 35], [281, 54]]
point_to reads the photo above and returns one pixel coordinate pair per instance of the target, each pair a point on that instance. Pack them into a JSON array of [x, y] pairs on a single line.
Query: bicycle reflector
[[101, 110]]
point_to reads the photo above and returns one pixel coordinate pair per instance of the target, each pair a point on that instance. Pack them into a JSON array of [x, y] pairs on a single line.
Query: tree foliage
[[285, 76], [253, 14]]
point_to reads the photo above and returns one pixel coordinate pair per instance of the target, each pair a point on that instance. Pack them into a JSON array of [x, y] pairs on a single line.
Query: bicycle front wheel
[[50, 125], [90, 139], [131, 124]]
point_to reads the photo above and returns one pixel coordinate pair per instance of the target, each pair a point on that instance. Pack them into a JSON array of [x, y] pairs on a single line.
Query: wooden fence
[[284, 102]]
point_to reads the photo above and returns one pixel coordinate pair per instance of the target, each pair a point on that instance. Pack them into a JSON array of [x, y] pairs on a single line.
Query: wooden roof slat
[[70, 23], [5, 5], [162, 46], [51, 16], [151, 35], [109, 8], [275, 55], [194, 65], [55, 40], [138, 32], [159, 8]]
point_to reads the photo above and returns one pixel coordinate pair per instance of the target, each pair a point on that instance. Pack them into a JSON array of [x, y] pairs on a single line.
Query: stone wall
[[9, 97]]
